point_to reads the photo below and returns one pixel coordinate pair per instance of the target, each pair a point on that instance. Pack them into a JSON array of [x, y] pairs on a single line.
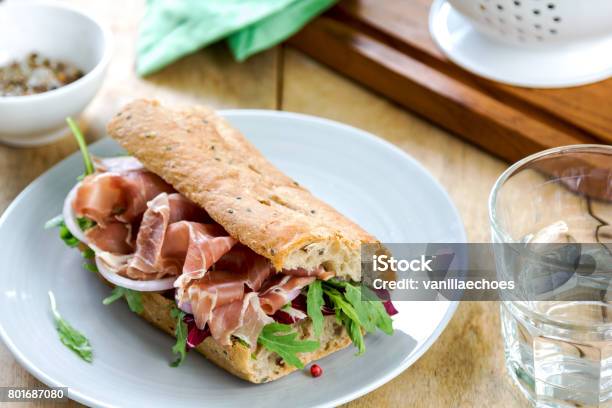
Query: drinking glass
[[551, 221]]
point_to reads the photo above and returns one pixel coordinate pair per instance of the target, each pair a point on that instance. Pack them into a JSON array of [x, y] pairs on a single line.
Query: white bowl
[[57, 32]]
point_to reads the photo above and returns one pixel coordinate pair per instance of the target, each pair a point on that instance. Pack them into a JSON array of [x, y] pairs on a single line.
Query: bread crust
[[214, 165], [237, 358]]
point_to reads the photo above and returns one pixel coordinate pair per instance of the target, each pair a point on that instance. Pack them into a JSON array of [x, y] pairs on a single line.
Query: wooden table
[[464, 368]]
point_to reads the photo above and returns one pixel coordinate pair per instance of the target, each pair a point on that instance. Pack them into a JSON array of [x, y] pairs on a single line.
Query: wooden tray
[[386, 46]]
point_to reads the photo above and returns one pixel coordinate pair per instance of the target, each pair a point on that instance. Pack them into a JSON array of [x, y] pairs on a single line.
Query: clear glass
[[558, 351]]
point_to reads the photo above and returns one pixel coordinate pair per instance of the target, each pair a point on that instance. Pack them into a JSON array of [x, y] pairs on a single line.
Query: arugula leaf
[[72, 241], [133, 298], [282, 340], [314, 303], [341, 304], [377, 308], [88, 253], [54, 222], [354, 331], [67, 236], [69, 336], [115, 295], [357, 307], [180, 347], [85, 223], [369, 308], [134, 301], [64, 232], [89, 167], [91, 267]]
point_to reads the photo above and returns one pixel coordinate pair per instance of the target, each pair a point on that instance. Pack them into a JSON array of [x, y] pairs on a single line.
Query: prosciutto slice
[[115, 237], [319, 273], [110, 196], [216, 289], [253, 321], [283, 292], [195, 248], [171, 236], [238, 271], [242, 318], [242, 258]]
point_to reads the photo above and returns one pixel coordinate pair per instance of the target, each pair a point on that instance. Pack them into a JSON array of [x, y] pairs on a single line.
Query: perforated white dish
[[532, 43]]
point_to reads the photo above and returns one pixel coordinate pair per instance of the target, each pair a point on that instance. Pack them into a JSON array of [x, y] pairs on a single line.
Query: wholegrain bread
[[213, 164], [261, 366]]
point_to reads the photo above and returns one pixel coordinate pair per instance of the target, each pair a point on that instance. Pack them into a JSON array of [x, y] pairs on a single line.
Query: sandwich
[[210, 242]]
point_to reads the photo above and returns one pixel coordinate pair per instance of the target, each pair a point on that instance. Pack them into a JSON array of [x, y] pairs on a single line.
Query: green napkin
[[172, 29]]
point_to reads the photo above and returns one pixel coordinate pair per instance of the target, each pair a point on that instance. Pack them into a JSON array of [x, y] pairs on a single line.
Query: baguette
[[237, 359], [215, 166]]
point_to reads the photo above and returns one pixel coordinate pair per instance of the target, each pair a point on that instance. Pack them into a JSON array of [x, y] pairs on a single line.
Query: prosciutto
[[110, 196], [172, 239], [319, 273], [242, 258], [216, 289], [283, 292], [242, 318], [236, 273], [115, 237], [252, 322]]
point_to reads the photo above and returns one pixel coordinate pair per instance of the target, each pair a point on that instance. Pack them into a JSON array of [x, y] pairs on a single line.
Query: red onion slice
[[140, 286], [70, 218]]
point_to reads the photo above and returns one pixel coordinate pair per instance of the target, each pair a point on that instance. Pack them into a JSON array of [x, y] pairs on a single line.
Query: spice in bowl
[[36, 74]]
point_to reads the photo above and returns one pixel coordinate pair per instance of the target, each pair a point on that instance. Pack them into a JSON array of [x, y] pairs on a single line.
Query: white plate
[[364, 177]]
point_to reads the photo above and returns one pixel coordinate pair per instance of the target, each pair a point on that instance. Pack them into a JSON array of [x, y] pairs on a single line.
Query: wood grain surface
[[386, 46], [464, 368]]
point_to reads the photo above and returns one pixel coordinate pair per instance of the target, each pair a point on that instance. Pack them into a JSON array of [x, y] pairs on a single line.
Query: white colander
[[533, 43]]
